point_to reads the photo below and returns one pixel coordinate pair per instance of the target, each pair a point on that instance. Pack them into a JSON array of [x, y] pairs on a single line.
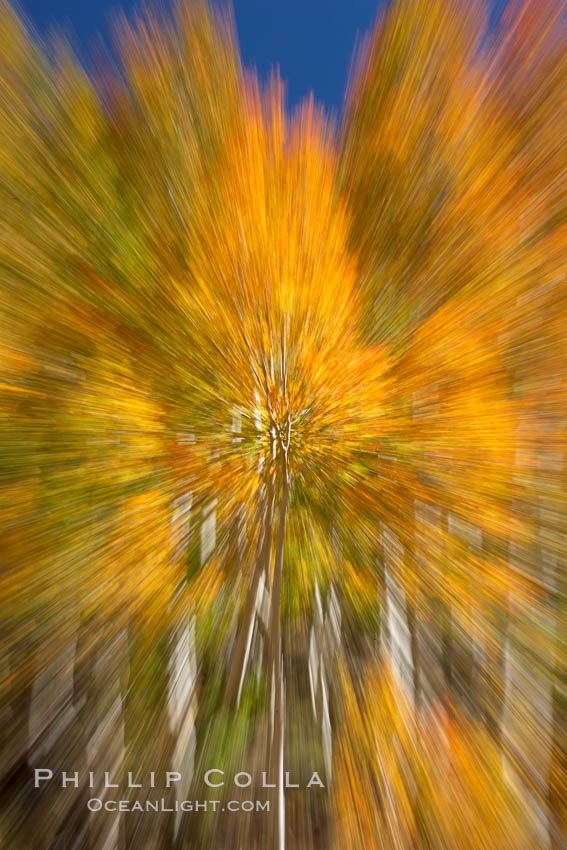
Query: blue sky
[[312, 41]]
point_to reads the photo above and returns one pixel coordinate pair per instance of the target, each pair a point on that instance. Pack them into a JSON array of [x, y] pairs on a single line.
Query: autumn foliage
[[282, 433]]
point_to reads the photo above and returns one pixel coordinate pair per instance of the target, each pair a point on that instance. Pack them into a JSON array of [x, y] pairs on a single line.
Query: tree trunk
[[241, 651], [277, 689]]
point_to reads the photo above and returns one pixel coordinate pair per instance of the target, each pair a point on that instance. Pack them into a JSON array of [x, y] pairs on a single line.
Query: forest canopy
[[282, 435]]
